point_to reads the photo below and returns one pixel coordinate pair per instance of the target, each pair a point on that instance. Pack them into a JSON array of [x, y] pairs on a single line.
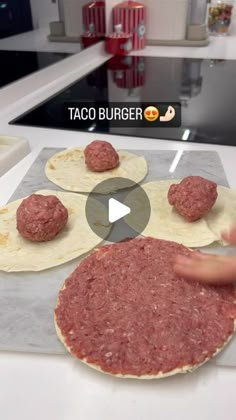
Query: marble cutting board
[[27, 300]]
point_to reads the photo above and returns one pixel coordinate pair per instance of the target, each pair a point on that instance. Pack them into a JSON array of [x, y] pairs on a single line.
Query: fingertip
[[225, 235], [183, 269], [229, 236], [178, 269]]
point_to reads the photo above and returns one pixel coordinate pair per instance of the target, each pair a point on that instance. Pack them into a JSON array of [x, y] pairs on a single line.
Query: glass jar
[[220, 16]]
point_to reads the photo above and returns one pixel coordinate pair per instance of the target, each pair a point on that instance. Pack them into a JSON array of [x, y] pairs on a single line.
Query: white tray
[[12, 150]]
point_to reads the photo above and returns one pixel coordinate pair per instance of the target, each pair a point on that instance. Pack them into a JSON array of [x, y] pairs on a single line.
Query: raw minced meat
[[193, 198], [40, 218], [125, 311], [100, 156]]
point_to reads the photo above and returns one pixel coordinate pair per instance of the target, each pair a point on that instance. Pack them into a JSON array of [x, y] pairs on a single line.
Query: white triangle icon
[[117, 210]]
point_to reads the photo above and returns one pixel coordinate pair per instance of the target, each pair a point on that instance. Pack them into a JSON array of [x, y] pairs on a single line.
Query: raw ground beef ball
[[193, 198], [100, 156], [40, 218]]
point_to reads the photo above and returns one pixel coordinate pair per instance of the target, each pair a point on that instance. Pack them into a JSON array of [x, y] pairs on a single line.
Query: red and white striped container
[[94, 13], [133, 77], [90, 37], [120, 62], [132, 17], [118, 43]]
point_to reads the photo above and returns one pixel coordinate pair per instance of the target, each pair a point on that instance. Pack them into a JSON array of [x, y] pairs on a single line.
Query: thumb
[[230, 236]]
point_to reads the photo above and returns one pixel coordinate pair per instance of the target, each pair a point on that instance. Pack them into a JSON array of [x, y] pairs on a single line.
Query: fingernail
[[183, 259]]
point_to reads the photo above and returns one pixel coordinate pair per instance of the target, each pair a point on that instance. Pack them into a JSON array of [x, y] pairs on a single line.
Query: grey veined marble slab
[[27, 300]]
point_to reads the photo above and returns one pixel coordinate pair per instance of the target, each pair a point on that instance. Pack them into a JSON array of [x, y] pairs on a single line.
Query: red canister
[[132, 16], [118, 43], [133, 77], [89, 37], [119, 62], [94, 12]]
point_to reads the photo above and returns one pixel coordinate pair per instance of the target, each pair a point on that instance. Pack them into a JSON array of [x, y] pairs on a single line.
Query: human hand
[[209, 269]]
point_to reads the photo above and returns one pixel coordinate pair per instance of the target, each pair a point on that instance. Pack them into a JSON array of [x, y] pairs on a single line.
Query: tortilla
[[166, 223], [223, 215], [67, 169], [18, 254]]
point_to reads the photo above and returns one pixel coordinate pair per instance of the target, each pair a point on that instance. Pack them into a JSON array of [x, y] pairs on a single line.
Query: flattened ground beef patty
[[40, 218], [193, 198], [125, 311], [100, 156]]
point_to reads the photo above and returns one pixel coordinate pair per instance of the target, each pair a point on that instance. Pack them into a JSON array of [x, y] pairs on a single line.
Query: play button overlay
[[126, 205], [117, 210]]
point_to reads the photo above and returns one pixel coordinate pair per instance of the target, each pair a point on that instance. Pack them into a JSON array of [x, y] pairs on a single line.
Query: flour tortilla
[[183, 370], [166, 223], [223, 215], [67, 169], [18, 254]]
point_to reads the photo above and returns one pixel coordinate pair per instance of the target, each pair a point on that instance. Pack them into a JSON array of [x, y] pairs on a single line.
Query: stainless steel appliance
[[197, 12]]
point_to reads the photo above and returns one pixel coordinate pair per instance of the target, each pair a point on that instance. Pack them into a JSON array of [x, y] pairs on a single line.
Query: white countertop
[[34, 387], [220, 47], [37, 41]]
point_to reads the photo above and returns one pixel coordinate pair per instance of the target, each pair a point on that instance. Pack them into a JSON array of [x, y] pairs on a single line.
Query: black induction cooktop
[[18, 64], [206, 90]]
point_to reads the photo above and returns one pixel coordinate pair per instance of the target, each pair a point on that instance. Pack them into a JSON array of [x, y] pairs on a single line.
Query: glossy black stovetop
[[205, 88], [18, 64]]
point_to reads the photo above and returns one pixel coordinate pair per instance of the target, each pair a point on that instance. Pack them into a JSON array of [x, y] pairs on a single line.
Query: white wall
[[43, 12]]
